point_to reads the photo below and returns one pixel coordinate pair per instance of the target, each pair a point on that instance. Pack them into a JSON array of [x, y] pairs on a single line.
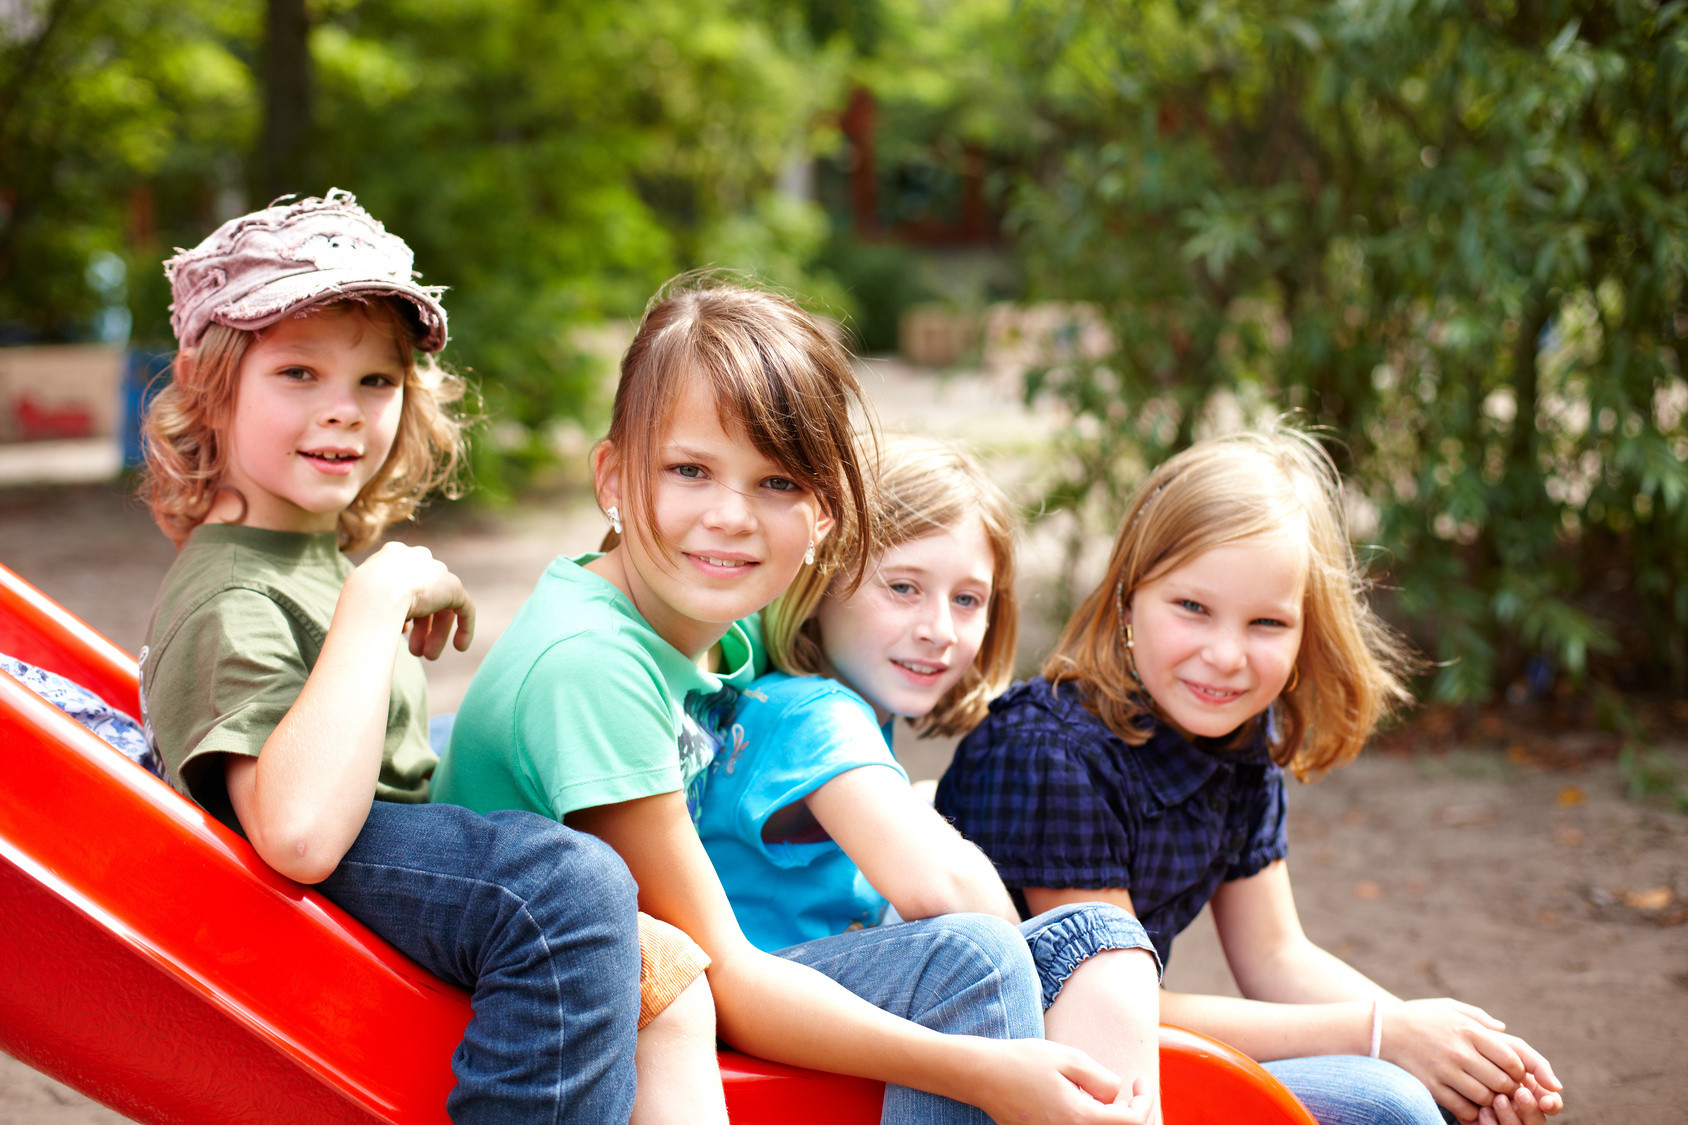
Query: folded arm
[[304, 799]]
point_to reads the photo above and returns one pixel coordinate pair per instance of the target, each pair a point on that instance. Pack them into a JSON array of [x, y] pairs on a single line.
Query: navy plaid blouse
[[1056, 800]]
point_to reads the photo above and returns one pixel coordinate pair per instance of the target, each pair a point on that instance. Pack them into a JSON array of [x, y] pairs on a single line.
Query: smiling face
[[317, 402], [910, 632], [1214, 640], [731, 529]]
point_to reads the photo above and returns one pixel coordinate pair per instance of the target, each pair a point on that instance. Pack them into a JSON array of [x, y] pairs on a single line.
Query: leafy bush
[[1454, 234]]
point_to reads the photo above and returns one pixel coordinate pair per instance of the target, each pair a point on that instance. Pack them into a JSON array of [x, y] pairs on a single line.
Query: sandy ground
[[1523, 882]]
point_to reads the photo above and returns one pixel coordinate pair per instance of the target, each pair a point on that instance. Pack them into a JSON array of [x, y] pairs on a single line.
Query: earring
[[615, 519], [809, 555], [1131, 657], [1125, 632], [1294, 678]]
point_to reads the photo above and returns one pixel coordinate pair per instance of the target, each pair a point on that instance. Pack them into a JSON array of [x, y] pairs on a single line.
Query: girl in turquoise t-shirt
[[808, 817], [731, 459]]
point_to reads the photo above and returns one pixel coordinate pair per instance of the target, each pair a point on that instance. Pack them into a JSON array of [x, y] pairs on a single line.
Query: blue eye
[[1187, 604], [900, 587], [690, 472], [968, 601]]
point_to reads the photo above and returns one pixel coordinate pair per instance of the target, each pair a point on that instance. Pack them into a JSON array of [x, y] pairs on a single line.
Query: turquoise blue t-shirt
[[790, 736], [581, 703]]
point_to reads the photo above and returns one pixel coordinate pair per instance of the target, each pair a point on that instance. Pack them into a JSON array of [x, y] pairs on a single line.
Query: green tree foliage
[[1454, 233], [110, 114], [550, 163]]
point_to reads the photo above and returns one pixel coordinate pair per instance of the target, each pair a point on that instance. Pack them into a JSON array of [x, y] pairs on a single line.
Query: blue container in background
[[144, 375]]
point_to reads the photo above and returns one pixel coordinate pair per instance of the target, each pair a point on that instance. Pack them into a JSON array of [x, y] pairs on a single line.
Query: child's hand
[[1530, 1104], [1034, 1081], [1460, 1054], [433, 596]]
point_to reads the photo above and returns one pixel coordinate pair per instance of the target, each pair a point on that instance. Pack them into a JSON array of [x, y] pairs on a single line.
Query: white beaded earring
[[615, 519], [809, 555]]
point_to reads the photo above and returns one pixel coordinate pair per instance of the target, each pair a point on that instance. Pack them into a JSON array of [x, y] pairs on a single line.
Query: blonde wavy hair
[[1221, 491], [186, 449], [775, 373], [924, 486]]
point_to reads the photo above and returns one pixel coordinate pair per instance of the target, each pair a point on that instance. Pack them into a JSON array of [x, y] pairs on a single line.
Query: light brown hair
[[775, 374], [923, 487], [184, 434], [1222, 491]]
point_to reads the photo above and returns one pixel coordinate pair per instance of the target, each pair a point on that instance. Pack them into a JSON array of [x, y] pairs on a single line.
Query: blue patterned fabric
[[121, 731], [1056, 800]]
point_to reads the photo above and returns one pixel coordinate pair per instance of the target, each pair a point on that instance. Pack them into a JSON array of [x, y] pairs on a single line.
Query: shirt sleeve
[[597, 725], [1268, 840], [1027, 791], [227, 678], [802, 745]]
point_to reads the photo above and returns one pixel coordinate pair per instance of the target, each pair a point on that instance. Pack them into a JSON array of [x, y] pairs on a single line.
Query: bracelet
[[1376, 1026]]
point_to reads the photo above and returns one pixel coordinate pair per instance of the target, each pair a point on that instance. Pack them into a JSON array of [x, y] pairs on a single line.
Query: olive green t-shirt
[[235, 631]]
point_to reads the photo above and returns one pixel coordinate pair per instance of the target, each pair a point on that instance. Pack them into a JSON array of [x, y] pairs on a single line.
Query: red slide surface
[[150, 959]]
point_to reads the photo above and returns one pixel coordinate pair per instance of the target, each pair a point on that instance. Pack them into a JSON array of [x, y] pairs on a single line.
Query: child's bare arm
[[1458, 1051], [780, 1010], [909, 853], [304, 799]]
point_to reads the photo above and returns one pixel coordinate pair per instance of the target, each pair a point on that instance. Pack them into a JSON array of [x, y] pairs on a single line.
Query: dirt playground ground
[[1498, 865]]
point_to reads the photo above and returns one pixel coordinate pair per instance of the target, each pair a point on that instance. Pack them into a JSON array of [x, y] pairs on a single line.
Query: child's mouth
[[1214, 694], [921, 670], [332, 461], [715, 562]]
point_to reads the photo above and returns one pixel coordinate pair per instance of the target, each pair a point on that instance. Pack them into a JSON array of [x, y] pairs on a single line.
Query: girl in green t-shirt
[[731, 456]]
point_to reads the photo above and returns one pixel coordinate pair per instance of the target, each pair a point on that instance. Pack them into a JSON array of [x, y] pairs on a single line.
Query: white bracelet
[[1376, 1026]]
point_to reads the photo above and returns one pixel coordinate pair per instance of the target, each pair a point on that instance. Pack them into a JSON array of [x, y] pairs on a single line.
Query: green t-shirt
[[235, 631], [581, 703]]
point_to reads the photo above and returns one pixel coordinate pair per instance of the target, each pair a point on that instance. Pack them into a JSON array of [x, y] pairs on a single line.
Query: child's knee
[[981, 963], [689, 1016], [1066, 938], [671, 969], [537, 858]]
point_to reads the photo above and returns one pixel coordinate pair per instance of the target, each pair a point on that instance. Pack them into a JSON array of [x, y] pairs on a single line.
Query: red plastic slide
[[150, 959]]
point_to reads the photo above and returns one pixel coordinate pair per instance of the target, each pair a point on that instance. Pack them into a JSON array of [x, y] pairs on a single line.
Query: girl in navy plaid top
[[1229, 640]]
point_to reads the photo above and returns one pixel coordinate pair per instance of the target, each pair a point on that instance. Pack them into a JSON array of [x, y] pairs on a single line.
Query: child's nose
[[937, 625], [1226, 651], [730, 510], [342, 409]]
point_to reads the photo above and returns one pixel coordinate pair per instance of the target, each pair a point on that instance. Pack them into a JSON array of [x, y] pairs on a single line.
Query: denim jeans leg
[[1066, 937], [1357, 1090], [538, 922], [962, 974]]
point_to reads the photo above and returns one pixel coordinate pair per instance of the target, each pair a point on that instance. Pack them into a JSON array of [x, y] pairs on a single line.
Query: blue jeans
[[1356, 1090], [962, 974], [1066, 937], [537, 921]]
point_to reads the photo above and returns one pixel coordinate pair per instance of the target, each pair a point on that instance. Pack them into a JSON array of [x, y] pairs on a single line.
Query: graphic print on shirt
[[704, 722]]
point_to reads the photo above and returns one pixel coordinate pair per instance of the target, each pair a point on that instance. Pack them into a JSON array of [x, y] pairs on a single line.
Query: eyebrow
[[1205, 596], [914, 568]]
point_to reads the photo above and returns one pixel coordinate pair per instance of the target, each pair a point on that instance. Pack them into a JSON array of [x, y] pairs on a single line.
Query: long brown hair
[[924, 486], [1222, 491], [774, 372], [184, 434]]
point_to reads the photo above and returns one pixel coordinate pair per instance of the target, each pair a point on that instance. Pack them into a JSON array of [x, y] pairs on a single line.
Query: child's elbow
[[301, 853], [932, 897]]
